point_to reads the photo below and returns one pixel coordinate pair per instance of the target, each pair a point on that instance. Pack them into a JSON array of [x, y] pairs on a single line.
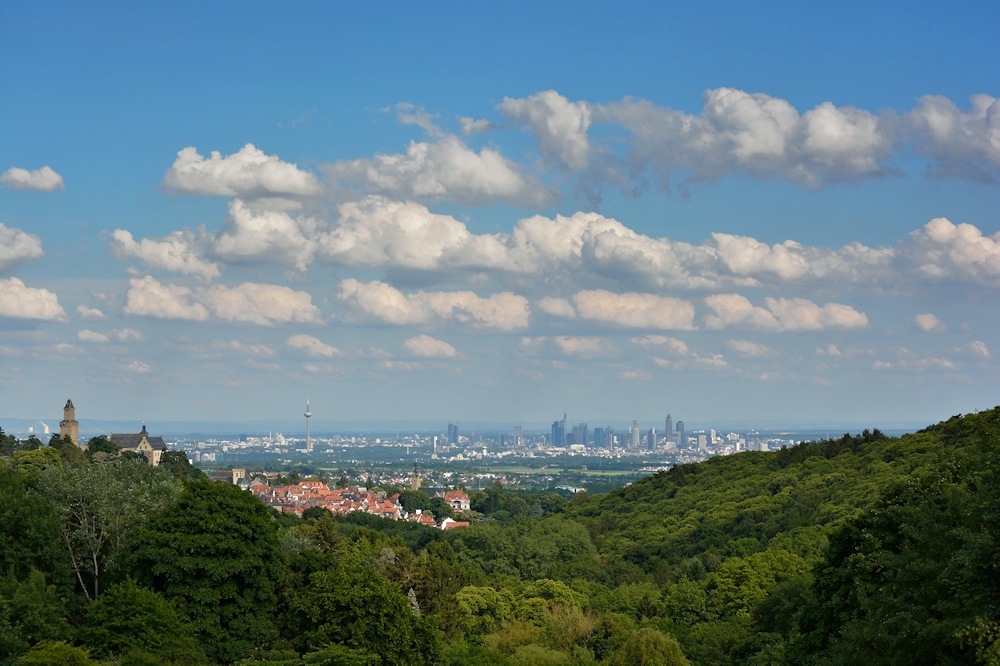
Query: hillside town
[[298, 497]]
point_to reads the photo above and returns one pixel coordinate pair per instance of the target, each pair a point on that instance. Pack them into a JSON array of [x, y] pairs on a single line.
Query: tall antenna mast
[[308, 416]]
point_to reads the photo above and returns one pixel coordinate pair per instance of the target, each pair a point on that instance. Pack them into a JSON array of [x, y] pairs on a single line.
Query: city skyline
[[645, 208]]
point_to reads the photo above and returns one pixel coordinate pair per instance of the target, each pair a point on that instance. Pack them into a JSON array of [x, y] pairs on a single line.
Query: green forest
[[861, 550]]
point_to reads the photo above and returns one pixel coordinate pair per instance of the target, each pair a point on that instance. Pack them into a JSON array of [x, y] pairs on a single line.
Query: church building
[[141, 442]]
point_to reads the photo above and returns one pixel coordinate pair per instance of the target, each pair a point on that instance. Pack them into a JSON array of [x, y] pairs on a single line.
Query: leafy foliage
[[30, 612], [864, 549], [215, 553], [129, 619], [29, 532], [99, 508]]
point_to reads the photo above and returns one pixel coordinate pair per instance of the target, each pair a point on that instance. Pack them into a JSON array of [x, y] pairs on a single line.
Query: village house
[[451, 524], [458, 500], [236, 476]]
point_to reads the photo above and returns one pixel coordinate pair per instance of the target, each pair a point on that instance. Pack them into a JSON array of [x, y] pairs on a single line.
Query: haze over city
[[457, 213]]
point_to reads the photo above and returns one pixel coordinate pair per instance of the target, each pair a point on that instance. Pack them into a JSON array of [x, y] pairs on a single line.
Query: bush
[[55, 654], [649, 647]]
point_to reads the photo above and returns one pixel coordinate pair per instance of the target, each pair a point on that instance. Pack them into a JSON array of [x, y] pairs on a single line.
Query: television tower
[[308, 415]]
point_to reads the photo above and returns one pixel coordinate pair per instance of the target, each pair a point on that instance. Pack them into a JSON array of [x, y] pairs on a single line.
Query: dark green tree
[[101, 444], [215, 553], [130, 619], [8, 444], [351, 603], [71, 454], [411, 500], [31, 611], [437, 579], [29, 533], [441, 508], [177, 463], [315, 513], [30, 444]]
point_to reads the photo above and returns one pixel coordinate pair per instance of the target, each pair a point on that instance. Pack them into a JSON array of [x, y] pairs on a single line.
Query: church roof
[[130, 441]]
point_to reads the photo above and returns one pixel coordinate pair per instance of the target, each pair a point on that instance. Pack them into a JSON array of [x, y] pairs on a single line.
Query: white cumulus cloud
[[90, 314], [943, 250], [503, 311], [250, 303], [756, 134], [17, 247], [585, 346], [43, 180], [635, 310], [557, 307], [581, 346], [379, 232], [179, 252], [311, 346], [447, 170], [149, 298], [929, 323], [782, 314], [21, 302], [258, 234], [87, 335], [749, 348], [428, 347], [963, 144], [247, 173], [261, 304], [673, 345], [974, 348], [559, 125], [472, 126], [118, 334]]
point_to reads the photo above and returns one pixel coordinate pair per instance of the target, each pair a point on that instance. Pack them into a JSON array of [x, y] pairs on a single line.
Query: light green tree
[[99, 508]]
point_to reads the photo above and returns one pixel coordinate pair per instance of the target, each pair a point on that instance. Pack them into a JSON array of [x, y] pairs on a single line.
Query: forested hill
[[735, 544], [862, 550]]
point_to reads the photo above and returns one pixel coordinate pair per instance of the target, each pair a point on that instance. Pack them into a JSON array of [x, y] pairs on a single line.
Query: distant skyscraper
[[517, 435], [452, 433], [559, 432], [584, 435], [681, 438], [651, 442], [600, 439], [609, 436], [668, 430], [635, 434], [308, 415]]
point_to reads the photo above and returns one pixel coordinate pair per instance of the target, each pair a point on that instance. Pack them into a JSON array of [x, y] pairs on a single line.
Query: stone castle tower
[[69, 425]]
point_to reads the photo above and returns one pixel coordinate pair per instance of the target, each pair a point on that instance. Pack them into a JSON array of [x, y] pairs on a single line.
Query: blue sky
[[604, 234]]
